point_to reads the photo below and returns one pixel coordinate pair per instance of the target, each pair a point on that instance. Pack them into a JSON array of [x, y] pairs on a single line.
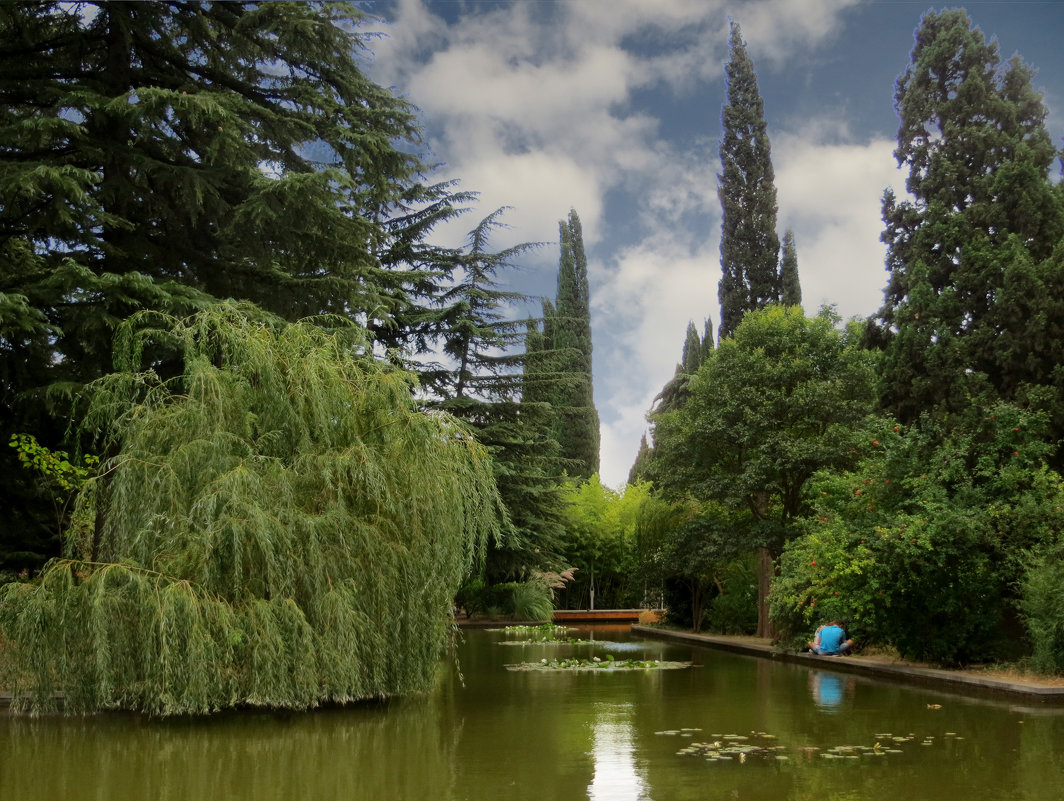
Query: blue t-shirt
[[831, 638]]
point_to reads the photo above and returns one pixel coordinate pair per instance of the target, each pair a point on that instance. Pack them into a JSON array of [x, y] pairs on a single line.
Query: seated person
[[830, 640]]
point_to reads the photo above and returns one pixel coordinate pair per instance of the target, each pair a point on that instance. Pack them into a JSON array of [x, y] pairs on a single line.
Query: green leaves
[[276, 525], [984, 219]]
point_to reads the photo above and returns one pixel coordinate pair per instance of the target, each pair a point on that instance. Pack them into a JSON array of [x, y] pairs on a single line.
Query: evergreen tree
[[638, 471], [484, 384], [673, 396], [791, 291], [577, 423], [707, 339], [161, 155], [975, 301], [749, 246], [692, 350]]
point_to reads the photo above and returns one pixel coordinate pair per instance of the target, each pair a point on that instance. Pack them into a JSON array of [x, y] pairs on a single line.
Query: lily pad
[[608, 665]]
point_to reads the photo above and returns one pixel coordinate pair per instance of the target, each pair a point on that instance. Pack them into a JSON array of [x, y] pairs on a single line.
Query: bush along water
[[926, 546]]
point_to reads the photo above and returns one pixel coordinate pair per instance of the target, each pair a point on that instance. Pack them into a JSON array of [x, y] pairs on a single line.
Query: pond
[[728, 727]]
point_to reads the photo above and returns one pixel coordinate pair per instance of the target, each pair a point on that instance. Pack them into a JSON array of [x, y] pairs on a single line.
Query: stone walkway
[[880, 666]]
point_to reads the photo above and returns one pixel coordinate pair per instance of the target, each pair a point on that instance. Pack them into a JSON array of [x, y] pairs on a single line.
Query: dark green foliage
[[638, 471], [576, 422], [780, 400], [164, 155], [279, 526], [685, 547], [749, 246], [790, 287], [675, 393], [734, 609], [485, 383], [975, 301], [924, 546]]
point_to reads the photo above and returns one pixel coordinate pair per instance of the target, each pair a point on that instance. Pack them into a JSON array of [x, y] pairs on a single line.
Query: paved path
[[883, 667]]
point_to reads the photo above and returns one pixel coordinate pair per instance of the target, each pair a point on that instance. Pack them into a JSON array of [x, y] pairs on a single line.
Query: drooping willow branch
[[280, 526]]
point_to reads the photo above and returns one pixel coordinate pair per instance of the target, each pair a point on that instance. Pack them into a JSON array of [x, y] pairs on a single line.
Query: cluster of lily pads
[[543, 629], [595, 663], [545, 634], [759, 744], [730, 747]]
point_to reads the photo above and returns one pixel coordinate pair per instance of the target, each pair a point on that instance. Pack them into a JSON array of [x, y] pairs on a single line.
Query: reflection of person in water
[[829, 689]]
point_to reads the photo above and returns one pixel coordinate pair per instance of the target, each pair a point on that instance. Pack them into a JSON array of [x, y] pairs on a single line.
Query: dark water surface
[[492, 734]]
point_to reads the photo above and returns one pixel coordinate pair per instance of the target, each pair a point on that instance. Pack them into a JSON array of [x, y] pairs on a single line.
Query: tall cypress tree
[[790, 287], [749, 246], [975, 301], [486, 384], [570, 335]]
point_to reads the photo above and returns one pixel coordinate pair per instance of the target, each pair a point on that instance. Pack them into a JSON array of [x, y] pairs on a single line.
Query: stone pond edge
[[911, 674]]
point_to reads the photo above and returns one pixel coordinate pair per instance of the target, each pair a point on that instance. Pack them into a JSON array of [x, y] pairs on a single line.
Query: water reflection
[[499, 735], [829, 690], [615, 777]]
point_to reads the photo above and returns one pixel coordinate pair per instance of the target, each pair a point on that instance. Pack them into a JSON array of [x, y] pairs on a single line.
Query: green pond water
[[493, 734]]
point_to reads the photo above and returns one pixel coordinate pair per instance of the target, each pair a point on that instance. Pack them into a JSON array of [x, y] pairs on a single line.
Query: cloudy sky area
[[612, 107]]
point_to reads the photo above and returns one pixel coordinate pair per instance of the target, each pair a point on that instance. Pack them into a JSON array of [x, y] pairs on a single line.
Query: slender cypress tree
[[749, 246], [570, 335], [975, 300], [674, 395], [791, 288], [484, 384]]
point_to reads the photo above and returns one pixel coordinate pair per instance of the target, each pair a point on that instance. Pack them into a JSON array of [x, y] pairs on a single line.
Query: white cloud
[[830, 194], [649, 293], [534, 107]]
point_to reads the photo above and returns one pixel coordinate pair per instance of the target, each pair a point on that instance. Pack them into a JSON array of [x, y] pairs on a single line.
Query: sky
[[612, 108]]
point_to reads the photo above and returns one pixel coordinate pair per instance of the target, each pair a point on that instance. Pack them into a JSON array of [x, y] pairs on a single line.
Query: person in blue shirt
[[830, 640]]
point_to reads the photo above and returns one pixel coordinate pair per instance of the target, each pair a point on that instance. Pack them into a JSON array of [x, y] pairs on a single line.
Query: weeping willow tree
[[275, 524]]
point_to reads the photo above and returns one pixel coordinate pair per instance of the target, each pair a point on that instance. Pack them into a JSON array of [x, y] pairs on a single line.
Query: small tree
[[776, 402]]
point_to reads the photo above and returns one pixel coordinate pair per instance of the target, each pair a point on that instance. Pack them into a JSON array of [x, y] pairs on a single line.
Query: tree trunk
[[764, 583]]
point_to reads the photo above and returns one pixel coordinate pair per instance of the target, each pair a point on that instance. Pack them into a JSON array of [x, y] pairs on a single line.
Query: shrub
[[1042, 603], [922, 546]]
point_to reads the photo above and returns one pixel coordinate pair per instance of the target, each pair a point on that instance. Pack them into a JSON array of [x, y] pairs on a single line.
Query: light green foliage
[[533, 600], [277, 525], [56, 466], [923, 545], [600, 543], [56, 474], [1042, 603]]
